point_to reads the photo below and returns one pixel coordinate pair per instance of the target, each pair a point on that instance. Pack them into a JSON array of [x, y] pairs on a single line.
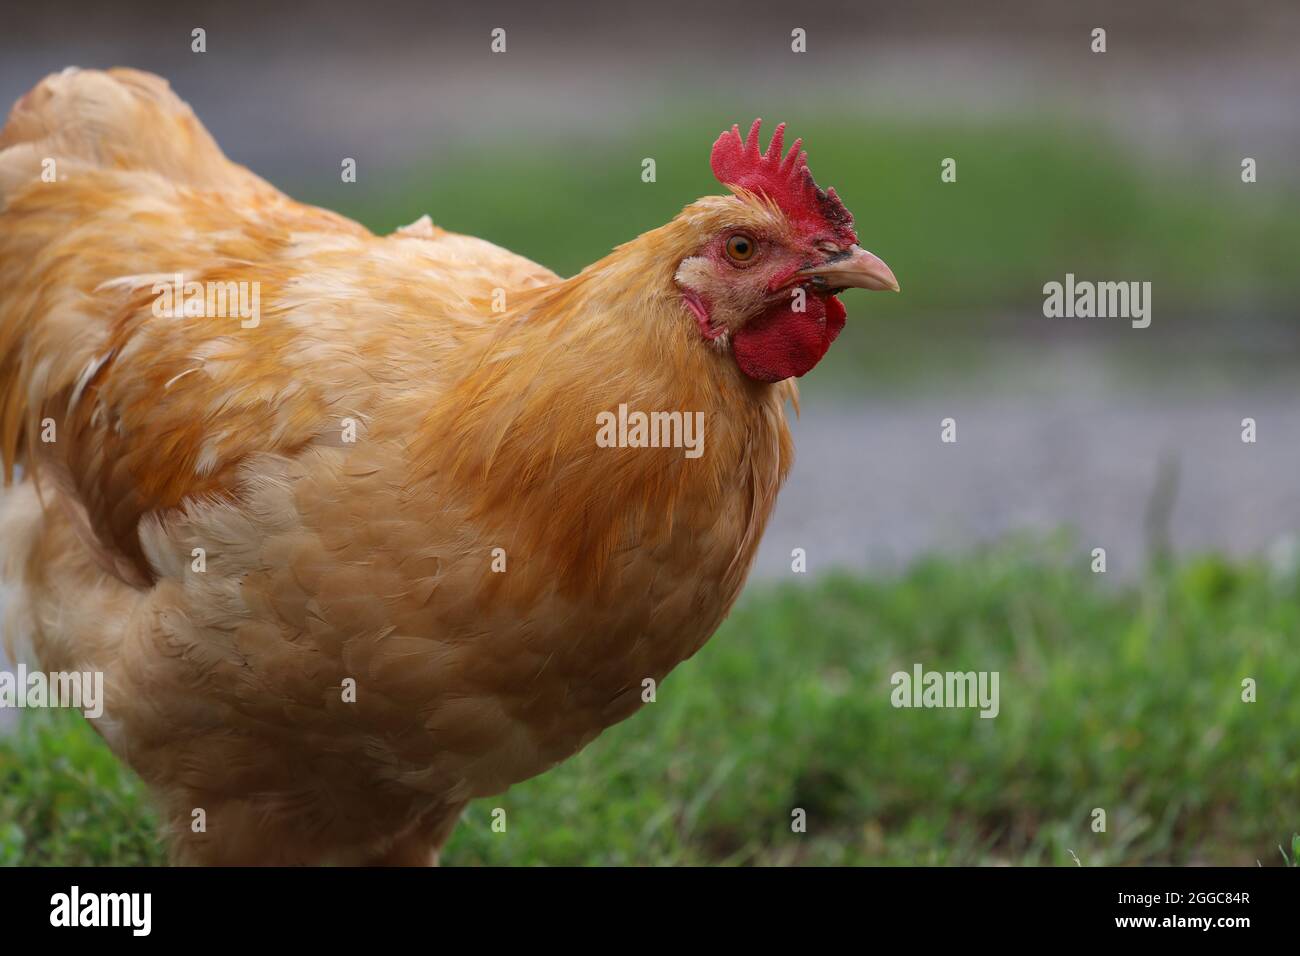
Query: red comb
[[784, 180]]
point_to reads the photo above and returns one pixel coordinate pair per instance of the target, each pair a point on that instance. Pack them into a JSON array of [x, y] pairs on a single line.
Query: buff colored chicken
[[353, 557]]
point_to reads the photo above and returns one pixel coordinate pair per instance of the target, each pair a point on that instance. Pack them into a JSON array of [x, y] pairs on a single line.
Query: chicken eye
[[740, 247]]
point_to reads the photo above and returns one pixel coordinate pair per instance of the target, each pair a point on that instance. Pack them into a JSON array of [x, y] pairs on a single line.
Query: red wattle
[[782, 343]]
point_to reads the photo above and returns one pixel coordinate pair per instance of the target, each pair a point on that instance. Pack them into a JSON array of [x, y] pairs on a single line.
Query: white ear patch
[[694, 273]]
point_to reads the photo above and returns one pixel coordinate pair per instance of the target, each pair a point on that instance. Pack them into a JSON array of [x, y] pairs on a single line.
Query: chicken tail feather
[[118, 119]]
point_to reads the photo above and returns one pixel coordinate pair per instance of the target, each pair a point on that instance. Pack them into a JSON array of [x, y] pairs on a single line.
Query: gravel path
[[873, 485]]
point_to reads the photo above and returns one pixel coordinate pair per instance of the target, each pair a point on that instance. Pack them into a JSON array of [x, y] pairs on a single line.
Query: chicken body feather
[[349, 568]]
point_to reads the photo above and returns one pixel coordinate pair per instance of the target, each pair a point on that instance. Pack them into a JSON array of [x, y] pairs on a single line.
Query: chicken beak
[[854, 269]]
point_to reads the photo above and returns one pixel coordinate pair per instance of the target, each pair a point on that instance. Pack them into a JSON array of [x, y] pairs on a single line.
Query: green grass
[[1124, 698], [65, 800], [1033, 199]]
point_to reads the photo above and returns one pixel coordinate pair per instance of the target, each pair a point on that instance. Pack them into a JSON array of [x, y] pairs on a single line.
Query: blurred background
[[1120, 691]]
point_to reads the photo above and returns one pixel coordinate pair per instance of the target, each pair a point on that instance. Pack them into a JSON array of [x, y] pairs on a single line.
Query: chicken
[[329, 511]]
